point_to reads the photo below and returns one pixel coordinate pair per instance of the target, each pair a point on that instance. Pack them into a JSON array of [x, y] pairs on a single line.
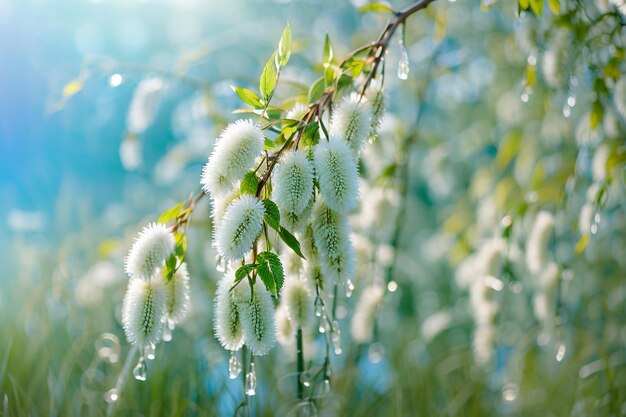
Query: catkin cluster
[[151, 300]]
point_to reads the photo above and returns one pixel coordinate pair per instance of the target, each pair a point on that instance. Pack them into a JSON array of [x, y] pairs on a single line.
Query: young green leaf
[[291, 241], [269, 144], [267, 83], [249, 183], [327, 57], [181, 245], [377, 8], [270, 269], [555, 6], [284, 47], [316, 90], [170, 214], [272, 214], [244, 271], [247, 96]]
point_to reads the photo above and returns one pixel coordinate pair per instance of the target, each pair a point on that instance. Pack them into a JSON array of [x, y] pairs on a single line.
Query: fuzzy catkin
[[143, 311], [352, 121], [538, 240], [258, 319], [177, 291], [293, 184], [362, 325], [331, 233], [241, 224], [298, 301], [151, 249], [337, 173], [227, 320], [376, 98], [233, 155]]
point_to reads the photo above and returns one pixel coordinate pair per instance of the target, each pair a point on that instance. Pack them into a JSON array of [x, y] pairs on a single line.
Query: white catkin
[[143, 105], [297, 222], [620, 5], [545, 296], [482, 344], [227, 320], [619, 92], [337, 174], [538, 240], [352, 121], [484, 307], [151, 249], [240, 226], [297, 112], [362, 325], [258, 320], [233, 155], [599, 161], [297, 298], [293, 183], [219, 205], [331, 232], [177, 290], [285, 331], [143, 311]]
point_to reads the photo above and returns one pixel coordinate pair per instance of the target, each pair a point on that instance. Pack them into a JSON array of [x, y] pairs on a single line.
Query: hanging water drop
[[250, 387], [234, 366], [560, 351], [111, 395], [305, 378], [335, 332], [150, 351], [349, 288], [319, 307], [375, 352], [326, 387], [337, 347], [167, 334], [403, 64], [140, 371]]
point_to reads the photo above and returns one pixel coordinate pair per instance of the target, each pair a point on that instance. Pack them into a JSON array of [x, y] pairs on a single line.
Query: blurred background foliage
[[502, 116]]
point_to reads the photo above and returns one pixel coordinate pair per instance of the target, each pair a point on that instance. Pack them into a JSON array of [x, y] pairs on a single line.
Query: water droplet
[[234, 366], [335, 332], [392, 286], [532, 59], [571, 101], [108, 347], [140, 371], [167, 334], [326, 387], [560, 351], [305, 378], [150, 351], [337, 346], [509, 392], [171, 324], [375, 352], [349, 288], [322, 328], [115, 80], [111, 395], [319, 307], [403, 64], [525, 97], [250, 387]]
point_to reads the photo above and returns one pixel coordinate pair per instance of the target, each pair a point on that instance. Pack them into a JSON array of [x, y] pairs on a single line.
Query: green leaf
[[310, 134], [244, 271], [267, 83], [272, 214], [269, 145], [284, 47], [536, 6], [316, 90], [582, 244], [249, 183], [270, 269], [356, 67], [247, 96], [596, 115], [181, 245], [327, 57], [524, 4], [170, 267], [555, 6], [291, 241], [170, 214], [377, 8]]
